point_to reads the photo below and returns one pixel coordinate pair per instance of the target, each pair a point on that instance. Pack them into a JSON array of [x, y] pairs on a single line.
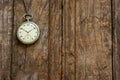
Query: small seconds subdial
[[28, 33]]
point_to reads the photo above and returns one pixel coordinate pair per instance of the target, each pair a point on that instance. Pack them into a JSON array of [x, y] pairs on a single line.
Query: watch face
[[28, 33]]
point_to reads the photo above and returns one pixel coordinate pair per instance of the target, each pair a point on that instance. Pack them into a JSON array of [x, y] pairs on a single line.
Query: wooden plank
[[55, 39], [93, 40], [31, 62], [68, 55], [5, 38], [116, 39]]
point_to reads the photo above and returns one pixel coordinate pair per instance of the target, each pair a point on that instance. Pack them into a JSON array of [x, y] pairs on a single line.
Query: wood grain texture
[[31, 62], [5, 38], [75, 41], [93, 40], [69, 41], [55, 39], [116, 39]]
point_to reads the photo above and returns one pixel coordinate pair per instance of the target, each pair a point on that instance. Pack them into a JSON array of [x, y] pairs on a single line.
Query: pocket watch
[[28, 32]]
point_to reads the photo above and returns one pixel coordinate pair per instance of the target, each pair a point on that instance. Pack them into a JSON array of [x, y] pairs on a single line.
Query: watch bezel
[[25, 42]]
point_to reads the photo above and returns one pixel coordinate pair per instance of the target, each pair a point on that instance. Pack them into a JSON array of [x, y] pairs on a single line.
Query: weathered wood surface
[[55, 39], [93, 40], [87, 51], [5, 38], [31, 62], [69, 40], [75, 41], [116, 39]]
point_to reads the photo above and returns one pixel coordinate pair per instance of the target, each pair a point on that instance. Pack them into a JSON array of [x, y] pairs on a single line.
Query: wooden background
[[80, 40]]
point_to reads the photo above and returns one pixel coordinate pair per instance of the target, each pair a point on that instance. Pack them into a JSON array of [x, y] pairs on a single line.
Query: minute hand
[[30, 30]]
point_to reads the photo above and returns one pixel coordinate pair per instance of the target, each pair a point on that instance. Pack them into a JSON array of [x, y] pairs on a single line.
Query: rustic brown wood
[[75, 42], [31, 62], [5, 38], [69, 41], [55, 39], [93, 40], [116, 39]]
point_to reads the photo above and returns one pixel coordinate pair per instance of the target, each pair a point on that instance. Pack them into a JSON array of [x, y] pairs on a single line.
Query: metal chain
[[27, 7]]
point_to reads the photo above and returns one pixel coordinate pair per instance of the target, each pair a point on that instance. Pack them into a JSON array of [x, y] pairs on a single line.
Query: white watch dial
[[28, 33]]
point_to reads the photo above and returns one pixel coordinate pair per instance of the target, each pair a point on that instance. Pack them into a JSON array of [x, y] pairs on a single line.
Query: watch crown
[[28, 17]]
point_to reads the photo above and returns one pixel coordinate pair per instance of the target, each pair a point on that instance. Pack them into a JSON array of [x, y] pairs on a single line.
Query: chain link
[[27, 7]]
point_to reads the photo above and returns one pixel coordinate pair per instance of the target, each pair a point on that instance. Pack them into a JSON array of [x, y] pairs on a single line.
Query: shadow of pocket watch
[[28, 32]]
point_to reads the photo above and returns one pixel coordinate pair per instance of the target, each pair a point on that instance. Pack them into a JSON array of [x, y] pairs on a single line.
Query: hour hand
[[24, 30]]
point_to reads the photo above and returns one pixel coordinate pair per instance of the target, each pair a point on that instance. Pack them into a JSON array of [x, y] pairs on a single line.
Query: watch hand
[[30, 30], [24, 30]]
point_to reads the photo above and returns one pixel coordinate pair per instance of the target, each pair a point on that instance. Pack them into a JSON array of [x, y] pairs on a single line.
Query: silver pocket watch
[[28, 32]]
